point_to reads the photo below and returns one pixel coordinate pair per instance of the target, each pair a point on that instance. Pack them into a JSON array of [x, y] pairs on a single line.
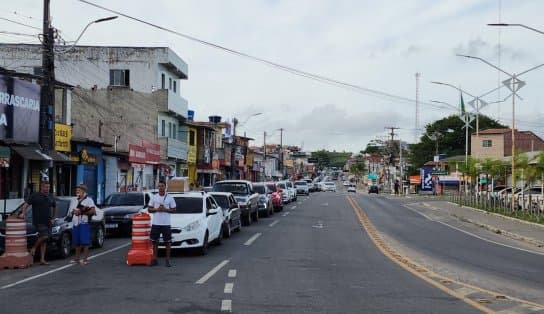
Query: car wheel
[[239, 227], [204, 248], [99, 238], [65, 245], [227, 231]]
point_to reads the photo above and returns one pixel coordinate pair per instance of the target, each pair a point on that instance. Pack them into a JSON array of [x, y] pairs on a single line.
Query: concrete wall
[[495, 151], [125, 113]]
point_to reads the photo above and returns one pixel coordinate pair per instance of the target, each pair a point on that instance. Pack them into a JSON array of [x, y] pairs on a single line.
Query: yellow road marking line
[[403, 262]]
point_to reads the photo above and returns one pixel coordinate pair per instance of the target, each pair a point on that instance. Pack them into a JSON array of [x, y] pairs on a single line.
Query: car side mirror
[[211, 212]]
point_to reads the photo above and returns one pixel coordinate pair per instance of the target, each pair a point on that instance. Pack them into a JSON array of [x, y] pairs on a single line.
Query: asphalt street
[[314, 257], [475, 255]]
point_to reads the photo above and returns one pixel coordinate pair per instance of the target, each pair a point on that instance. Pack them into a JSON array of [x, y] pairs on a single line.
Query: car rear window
[[259, 189], [188, 205], [301, 183], [271, 187], [222, 200], [124, 199], [234, 188]]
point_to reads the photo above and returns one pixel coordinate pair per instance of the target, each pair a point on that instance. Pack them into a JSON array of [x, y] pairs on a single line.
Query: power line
[[19, 23], [319, 78], [19, 34]]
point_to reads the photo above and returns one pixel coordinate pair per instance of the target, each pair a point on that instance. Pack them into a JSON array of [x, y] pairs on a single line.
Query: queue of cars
[[201, 217]]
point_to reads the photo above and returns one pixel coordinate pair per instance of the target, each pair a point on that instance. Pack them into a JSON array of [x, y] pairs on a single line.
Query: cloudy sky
[[378, 45]]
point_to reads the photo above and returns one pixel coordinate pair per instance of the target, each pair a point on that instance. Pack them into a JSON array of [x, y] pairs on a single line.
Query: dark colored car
[[231, 212], [60, 241], [120, 207], [244, 195], [374, 189], [265, 199]]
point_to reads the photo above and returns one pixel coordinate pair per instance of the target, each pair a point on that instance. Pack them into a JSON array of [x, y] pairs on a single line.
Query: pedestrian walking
[[161, 205], [397, 187], [81, 217], [44, 210]]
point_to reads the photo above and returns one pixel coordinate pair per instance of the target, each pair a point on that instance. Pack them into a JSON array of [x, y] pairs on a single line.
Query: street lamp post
[[520, 25], [85, 29], [233, 149], [514, 84]]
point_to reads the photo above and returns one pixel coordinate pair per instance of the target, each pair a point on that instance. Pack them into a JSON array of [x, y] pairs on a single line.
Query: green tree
[[449, 143]]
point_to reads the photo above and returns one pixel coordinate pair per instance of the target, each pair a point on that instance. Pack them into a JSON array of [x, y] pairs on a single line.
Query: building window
[[170, 129], [175, 87], [163, 81], [119, 78], [487, 143], [192, 138], [174, 131], [170, 83], [163, 128]]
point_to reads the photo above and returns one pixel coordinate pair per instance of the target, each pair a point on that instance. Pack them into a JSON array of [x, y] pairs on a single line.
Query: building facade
[[497, 143]]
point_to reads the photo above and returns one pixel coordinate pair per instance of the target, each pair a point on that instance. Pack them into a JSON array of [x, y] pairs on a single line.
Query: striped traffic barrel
[[16, 253], [141, 251]]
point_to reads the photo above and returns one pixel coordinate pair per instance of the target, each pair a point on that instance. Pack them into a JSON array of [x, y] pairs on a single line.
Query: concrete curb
[[498, 215]]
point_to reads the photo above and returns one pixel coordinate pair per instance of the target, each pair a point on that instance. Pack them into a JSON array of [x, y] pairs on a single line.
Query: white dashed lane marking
[[273, 223], [285, 214], [228, 288], [212, 272], [226, 306], [232, 273], [252, 239]]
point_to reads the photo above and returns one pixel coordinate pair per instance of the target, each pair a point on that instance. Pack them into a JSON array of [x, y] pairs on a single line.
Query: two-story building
[[497, 143]]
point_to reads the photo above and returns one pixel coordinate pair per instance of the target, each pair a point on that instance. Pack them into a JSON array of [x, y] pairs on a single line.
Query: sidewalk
[[510, 227]]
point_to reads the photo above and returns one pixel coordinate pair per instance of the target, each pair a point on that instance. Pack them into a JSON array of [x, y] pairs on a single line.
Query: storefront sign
[[136, 154], [86, 157], [426, 180], [152, 152], [63, 137], [19, 110]]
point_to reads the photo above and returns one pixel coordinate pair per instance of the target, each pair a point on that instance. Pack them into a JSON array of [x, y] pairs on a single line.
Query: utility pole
[[264, 153], [281, 152], [47, 106], [233, 149], [416, 131], [392, 156]]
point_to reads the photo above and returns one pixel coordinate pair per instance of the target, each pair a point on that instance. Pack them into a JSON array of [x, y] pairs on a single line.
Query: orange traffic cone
[[141, 252], [16, 254]]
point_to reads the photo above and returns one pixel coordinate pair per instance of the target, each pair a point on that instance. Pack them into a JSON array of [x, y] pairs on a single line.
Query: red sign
[[136, 154], [152, 152]]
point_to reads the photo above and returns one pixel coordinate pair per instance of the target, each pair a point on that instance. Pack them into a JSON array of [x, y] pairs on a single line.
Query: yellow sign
[[63, 137]]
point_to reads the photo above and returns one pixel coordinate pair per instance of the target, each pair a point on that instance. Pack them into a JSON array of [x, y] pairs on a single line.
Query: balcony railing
[[172, 148]]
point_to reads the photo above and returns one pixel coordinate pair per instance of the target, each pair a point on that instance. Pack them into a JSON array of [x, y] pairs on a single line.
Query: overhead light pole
[[105, 19], [517, 25], [514, 84]]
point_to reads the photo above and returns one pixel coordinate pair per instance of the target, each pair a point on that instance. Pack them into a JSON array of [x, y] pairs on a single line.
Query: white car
[[346, 183], [197, 221], [292, 190], [302, 187], [352, 188], [329, 186]]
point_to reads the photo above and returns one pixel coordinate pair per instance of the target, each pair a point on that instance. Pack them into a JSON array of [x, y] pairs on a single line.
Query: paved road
[[313, 257], [476, 256]]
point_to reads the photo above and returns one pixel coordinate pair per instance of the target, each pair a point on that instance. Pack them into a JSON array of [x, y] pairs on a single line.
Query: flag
[[462, 105]]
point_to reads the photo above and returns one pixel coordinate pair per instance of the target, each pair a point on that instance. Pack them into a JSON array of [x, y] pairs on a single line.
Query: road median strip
[[436, 280]]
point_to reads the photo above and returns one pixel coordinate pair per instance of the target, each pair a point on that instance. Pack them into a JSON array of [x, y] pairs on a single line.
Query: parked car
[[119, 208], [346, 183], [352, 188], [231, 212], [329, 186], [373, 189], [302, 187], [292, 190], [277, 196], [196, 223], [286, 196], [265, 199], [60, 241], [244, 195], [311, 185], [530, 198]]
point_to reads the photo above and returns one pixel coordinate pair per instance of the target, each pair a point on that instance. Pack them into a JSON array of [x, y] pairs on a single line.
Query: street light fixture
[[520, 25], [105, 19], [514, 84]]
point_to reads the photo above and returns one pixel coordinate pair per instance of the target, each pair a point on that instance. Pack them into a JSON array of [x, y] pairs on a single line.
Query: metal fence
[[530, 209]]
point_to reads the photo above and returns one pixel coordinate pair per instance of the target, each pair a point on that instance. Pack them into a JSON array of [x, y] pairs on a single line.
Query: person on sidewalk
[[161, 205], [44, 210], [81, 216]]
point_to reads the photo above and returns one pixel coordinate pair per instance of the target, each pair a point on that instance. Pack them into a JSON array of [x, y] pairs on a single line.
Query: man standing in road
[[43, 213], [81, 232], [161, 206]]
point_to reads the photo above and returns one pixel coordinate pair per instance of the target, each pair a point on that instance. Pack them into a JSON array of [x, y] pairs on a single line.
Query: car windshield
[[271, 187], [63, 205], [282, 185], [234, 188], [222, 200], [124, 199], [188, 205], [259, 189], [299, 183]]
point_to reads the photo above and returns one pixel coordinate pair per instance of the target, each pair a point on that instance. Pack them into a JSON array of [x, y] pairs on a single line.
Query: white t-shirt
[[83, 219], [161, 218]]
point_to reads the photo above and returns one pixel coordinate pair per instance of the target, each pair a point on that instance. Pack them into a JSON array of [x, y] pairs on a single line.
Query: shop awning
[[35, 153]]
